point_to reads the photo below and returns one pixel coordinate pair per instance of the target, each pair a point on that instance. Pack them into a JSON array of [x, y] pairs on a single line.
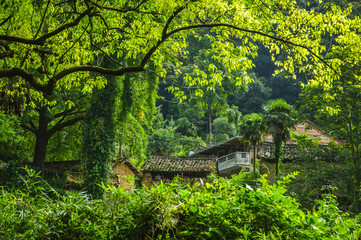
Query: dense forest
[[97, 80]]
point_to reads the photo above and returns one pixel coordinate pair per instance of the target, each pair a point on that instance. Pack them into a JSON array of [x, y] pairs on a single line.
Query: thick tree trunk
[[42, 139], [41, 146]]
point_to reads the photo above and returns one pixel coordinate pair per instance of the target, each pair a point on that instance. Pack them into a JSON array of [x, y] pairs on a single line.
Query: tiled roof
[[169, 164], [230, 143]]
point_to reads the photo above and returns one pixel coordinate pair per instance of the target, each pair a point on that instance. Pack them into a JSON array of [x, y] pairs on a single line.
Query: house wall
[[147, 179], [62, 166], [123, 176], [309, 129]]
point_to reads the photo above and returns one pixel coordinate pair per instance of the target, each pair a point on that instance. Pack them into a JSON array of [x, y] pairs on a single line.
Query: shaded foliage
[[12, 139], [221, 209], [324, 169], [164, 140]]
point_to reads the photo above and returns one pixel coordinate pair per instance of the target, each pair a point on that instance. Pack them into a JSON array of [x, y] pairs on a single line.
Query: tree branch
[[67, 113], [30, 128], [49, 87], [5, 20], [125, 10], [30, 78], [169, 21], [73, 44], [164, 36], [60, 126], [42, 19], [253, 32], [89, 68], [27, 128], [41, 40]]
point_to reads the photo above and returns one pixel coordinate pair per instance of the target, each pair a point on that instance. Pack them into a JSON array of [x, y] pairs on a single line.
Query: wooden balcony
[[234, 162]]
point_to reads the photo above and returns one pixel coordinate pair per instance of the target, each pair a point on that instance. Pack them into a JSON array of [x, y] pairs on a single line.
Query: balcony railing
[[234, 160]]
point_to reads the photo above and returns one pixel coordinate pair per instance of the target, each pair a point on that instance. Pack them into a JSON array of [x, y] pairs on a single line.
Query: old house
[[229, 157], [266, 150], [232, 155], [159, 168], [236, 154]]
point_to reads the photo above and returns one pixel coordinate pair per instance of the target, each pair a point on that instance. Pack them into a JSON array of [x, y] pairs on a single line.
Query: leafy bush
[[12, 140], [323, 169], [220, 209]]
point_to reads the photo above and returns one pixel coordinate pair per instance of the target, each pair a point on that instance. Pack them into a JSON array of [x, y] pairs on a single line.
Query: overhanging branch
[[253, 32], [30, 78], [50, 86], [41, 40], [5, 20], [89, 68], [29, 128], [62, 125]]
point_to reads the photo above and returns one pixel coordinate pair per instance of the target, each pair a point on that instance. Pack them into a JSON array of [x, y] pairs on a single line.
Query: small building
[[236, 154], [165, 169], [232, 155]]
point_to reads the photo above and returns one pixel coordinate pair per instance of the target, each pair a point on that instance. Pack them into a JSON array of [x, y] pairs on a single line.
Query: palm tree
[[278, 116], [251, 128]]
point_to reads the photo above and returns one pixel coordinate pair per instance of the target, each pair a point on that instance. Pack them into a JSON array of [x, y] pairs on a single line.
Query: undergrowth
[[220, 209]]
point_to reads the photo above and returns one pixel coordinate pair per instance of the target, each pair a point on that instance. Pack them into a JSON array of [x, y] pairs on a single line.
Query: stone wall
[[123, 176], [63, 166]]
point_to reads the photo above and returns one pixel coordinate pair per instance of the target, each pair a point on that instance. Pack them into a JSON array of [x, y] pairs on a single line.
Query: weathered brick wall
[[311, 130], [62, 166], [123, 176], [147, 179]]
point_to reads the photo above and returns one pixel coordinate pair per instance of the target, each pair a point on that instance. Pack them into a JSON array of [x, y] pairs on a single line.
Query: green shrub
[[220, 209]]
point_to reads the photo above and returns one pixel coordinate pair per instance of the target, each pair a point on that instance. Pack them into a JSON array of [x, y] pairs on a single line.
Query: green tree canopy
[[54, 45]]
